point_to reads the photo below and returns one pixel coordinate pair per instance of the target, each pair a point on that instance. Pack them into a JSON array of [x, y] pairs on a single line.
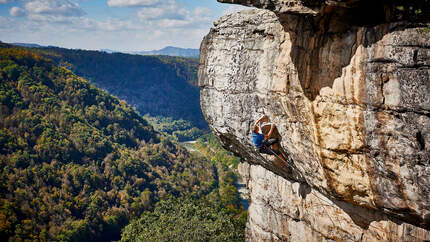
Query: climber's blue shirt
[[257, 139]]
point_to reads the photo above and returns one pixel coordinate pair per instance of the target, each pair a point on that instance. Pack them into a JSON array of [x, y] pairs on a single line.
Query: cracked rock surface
[[352, 108]]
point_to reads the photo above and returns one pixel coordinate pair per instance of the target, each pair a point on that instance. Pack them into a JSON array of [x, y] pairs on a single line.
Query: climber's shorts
[[265, 147]]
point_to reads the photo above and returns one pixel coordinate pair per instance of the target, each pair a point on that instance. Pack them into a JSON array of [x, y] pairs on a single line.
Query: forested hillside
[[76, 163], [155, 85], [218, 216]]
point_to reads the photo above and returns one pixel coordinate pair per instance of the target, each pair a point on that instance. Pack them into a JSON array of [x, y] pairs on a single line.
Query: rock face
[[351, 103]]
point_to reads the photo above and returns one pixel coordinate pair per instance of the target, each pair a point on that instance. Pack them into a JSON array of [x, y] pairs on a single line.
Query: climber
[[263, 141]]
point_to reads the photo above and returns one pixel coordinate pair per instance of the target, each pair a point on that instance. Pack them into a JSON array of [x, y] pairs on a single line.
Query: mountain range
[[169, 50]]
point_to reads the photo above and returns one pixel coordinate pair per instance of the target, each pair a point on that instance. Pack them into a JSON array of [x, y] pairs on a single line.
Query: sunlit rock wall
[[352, 108]]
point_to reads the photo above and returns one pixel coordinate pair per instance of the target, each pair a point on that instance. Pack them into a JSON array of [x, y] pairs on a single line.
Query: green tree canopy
[[185, 219], [76, 163]]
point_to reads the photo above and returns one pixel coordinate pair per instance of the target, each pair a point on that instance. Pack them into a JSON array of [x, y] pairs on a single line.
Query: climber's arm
[[272, 128], [259, 120]]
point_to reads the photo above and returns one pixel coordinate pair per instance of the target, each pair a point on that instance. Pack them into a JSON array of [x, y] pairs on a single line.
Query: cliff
[[350, 99]]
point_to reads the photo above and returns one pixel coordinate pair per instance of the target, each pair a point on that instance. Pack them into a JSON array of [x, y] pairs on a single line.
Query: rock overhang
[[356, 12]]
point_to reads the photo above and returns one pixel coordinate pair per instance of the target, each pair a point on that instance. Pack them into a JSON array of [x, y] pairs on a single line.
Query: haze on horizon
[[121, 25]]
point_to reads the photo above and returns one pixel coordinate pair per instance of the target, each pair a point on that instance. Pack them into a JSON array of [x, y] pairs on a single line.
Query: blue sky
[[124, 25]]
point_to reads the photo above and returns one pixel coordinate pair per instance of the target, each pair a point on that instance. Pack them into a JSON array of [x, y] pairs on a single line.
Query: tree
[[185, 219]]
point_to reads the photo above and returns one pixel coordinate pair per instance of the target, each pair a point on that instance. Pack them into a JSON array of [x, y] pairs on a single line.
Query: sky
[[121, 25]]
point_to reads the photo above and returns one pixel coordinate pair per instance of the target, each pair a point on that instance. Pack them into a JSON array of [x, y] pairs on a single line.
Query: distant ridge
[[171, 51], [30, 45], [108, 51]]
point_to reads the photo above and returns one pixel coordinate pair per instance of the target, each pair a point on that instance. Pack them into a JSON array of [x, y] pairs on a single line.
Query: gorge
[[347, 85]]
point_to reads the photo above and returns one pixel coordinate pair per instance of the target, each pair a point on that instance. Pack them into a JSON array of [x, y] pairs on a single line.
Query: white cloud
[[16, 12], [171, 12], [200, 11], [53, 10], [52, 18], [173, 15], [110, 25], [131, 3], [5, 23], [62, 23]]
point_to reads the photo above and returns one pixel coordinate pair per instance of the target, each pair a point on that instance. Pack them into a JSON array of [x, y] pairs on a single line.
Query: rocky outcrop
[[282, 210], [352, 106]]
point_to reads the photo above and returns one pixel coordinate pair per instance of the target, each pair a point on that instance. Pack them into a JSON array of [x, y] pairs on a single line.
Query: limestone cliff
[[351, 102]]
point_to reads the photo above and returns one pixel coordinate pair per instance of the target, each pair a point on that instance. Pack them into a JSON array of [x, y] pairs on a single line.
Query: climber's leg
[[274, 152], [267, 150], [265, 147], [271, 141]]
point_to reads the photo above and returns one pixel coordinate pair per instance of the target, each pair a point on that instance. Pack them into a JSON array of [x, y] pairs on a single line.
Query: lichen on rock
[[351, 104]]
